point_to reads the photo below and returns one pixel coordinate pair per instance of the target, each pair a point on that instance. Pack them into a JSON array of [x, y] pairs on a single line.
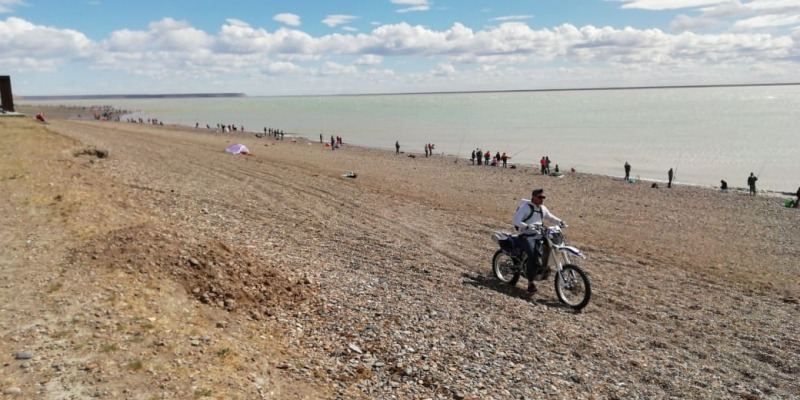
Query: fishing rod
[[513, 155], [762, 168], [464, 136]]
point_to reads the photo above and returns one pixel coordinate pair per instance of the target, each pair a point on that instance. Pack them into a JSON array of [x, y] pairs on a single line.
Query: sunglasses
[[541, 197]]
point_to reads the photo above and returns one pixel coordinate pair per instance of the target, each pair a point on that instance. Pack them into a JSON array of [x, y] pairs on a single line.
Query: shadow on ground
[[509, 290]]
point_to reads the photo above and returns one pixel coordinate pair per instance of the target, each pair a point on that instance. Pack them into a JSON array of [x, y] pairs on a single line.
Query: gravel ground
[[694, 292]]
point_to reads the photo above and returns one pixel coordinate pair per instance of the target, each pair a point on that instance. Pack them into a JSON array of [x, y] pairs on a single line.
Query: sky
[[302, 47]]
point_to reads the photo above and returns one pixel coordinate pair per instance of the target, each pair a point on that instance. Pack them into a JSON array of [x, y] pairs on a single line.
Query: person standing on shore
[[627, 171], [669, 175], [751, 182], [426, 150], [504, 157], [547, 164], [798, 198], [723, 186], [472, 157], [542, 162], [397, 147], [333, 143], [320, 138], [478, 155], [486, 158]]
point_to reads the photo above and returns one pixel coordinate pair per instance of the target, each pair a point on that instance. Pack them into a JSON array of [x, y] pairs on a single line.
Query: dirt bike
[[572, 284]]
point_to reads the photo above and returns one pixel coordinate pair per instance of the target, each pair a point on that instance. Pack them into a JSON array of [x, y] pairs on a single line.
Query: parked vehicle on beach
[[572, 284]]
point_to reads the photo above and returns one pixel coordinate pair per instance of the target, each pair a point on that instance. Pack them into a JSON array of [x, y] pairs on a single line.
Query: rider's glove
[[563, 224]]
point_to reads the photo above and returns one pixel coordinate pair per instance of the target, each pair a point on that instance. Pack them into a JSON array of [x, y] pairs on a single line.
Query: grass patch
[[148, 326], [224, 352], [137, 338], [204, 393], [54, 288], [107, 348], [135, 365]]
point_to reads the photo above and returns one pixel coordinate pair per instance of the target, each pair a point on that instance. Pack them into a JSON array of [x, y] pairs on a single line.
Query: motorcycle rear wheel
[[504, 268], [573, 287]]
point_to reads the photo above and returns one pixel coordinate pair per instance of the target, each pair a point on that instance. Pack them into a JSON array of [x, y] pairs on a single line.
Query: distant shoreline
[[131, 96], [229, 95], [541, 90]]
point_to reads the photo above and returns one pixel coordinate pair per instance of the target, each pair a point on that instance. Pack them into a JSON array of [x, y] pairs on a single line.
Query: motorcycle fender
[[572, 250]]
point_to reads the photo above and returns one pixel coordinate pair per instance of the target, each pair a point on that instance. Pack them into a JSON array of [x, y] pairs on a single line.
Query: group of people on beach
[[478, 155], [336, 142]]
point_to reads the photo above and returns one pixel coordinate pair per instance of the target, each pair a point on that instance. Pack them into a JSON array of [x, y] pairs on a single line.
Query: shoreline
[[122, 114]]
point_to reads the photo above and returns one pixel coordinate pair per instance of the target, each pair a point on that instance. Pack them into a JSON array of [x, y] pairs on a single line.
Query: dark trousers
[[627, 174], [753, 189], [669, 184], [533, 248]]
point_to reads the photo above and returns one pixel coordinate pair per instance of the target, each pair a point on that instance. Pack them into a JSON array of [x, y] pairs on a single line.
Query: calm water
[[706, 134]]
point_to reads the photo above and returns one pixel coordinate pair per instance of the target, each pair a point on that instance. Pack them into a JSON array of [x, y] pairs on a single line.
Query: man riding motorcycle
[[529, 219]]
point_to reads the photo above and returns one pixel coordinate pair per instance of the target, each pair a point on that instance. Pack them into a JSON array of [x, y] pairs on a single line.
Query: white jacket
[[529, 214]]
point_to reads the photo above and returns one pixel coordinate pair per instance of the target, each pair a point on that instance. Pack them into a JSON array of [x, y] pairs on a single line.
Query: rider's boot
[[532, 288]]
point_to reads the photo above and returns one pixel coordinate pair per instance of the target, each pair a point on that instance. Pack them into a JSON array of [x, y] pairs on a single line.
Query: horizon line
[[206, 94]]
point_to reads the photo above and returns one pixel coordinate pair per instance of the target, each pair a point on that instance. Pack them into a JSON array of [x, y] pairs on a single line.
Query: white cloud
[[369, 59], [667, 4], [332, 68], [444, 70], [375, 23], [7, 6], [287, 18], [338, 19], [174, 50], [512, 18], [349, 29], [416, 5], [24, 45]]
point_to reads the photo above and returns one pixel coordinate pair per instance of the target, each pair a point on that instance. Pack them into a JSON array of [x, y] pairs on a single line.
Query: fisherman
[[486, 157], [472, 157], [547, 164], [397, 147], [426, 150], [669, 174], [504, 157], [478, 155], [751, 182], [723, 188], [543, 163], [333, 143], [627, 171]]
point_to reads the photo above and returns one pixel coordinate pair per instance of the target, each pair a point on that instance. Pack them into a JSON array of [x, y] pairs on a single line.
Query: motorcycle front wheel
[[573, 287], [504, 268]]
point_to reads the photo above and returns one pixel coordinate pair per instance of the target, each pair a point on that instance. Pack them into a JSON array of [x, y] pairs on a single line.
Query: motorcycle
[[572, 284]]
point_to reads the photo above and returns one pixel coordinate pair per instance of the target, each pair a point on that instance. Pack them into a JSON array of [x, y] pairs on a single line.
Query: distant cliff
[[131, 96]]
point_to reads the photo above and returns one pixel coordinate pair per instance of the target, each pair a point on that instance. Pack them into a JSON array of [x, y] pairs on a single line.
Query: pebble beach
[[380, 286]]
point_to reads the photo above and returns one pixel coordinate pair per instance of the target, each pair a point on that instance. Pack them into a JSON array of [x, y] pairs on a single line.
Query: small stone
[[25, 365], [24, 355], [355, 348], [222, 325], [194, 262], [13, 390], [90, 367], [458, 396], [195, 343]]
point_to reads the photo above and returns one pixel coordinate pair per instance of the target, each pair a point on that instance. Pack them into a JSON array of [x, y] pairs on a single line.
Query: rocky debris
[[91, 152]]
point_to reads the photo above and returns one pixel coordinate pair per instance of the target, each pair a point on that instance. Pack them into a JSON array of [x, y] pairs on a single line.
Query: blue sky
[[379, 46]]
